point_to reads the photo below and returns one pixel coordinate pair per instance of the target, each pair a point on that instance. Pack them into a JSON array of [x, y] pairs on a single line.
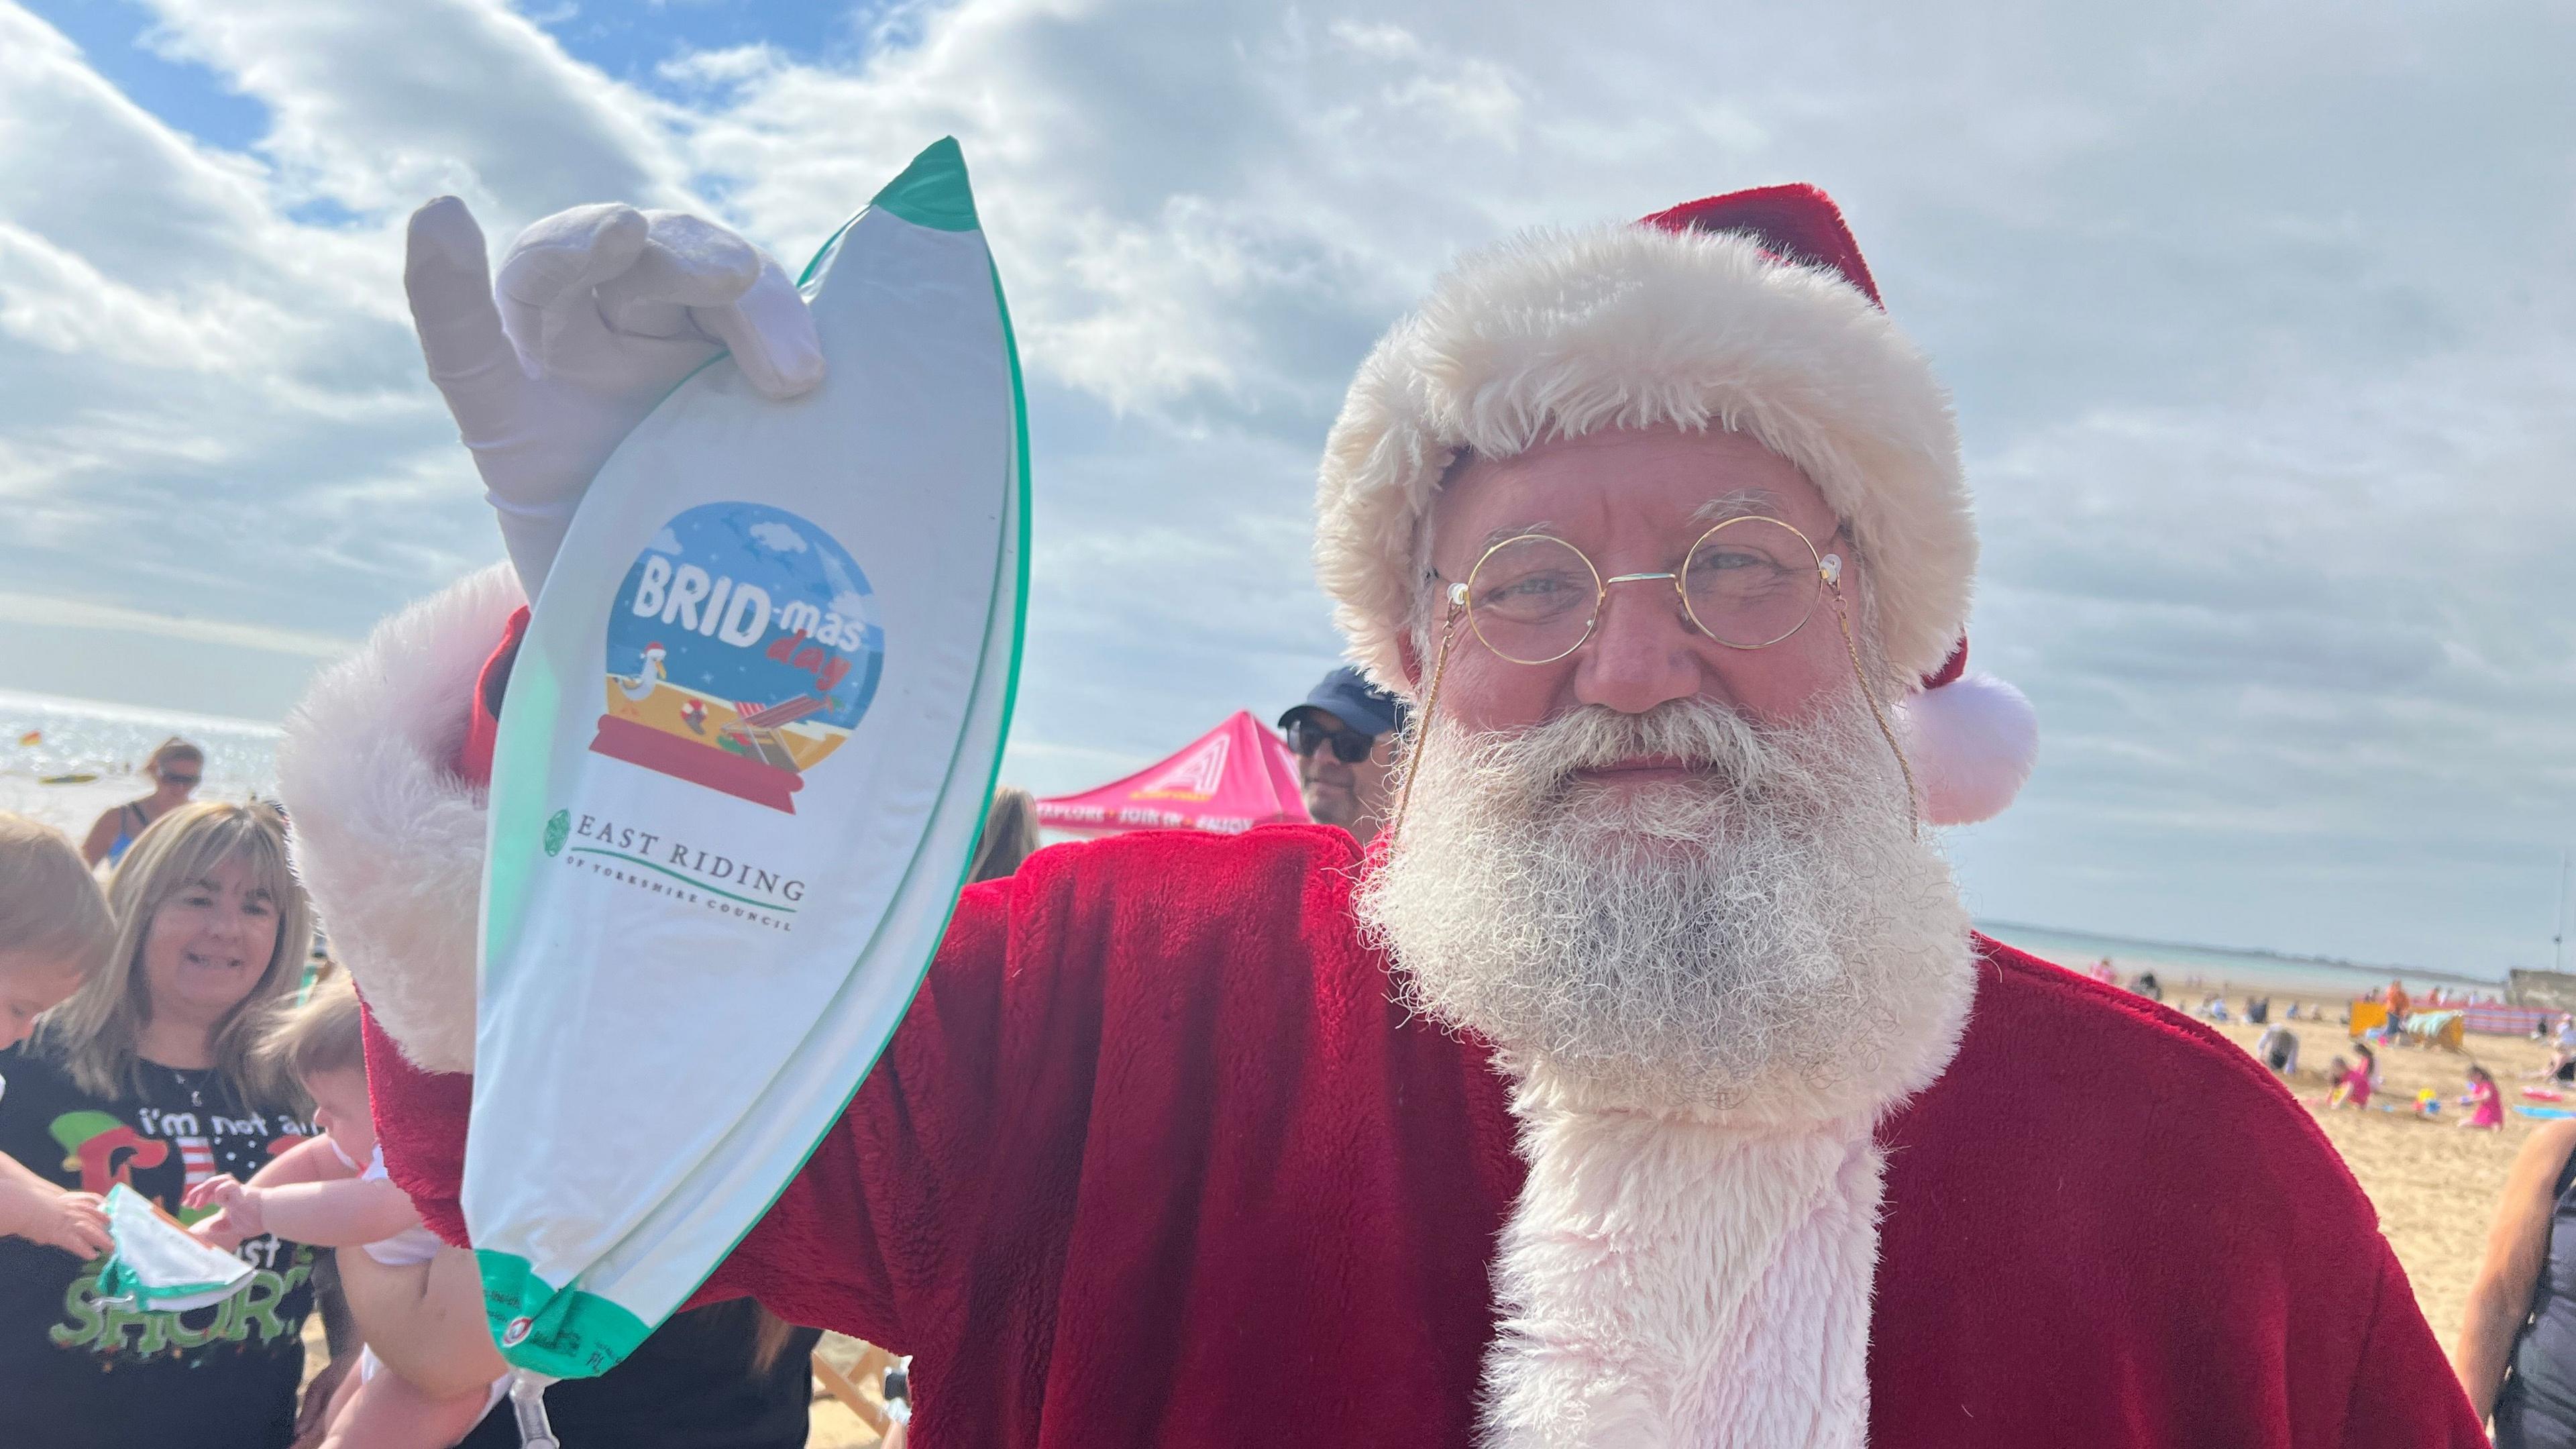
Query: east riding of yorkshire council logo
[[743, 648], [558, 830]]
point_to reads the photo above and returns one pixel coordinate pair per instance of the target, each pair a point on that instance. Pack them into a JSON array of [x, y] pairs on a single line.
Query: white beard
[[1709, 994]]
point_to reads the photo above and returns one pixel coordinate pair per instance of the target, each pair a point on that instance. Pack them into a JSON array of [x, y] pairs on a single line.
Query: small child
[[2352, 1085], [331, 1191], [54, 931], [2485, 1103]]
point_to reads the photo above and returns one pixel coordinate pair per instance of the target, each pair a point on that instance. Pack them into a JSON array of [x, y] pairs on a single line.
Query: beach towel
[[747, 750]]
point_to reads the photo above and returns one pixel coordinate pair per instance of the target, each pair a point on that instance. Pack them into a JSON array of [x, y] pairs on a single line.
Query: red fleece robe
[[1154, 1159]]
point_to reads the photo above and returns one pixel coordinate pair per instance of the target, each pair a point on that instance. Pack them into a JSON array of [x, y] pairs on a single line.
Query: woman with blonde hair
[[149, 1076], [175, 768]]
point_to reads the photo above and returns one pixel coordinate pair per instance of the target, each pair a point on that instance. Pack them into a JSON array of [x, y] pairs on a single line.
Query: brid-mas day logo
[[742, 650]]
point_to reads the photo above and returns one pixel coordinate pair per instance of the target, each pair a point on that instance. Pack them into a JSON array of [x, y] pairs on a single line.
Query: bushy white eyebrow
[[1742, 503]]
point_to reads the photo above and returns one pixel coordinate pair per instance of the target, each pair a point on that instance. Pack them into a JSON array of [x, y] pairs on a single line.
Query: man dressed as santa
[[1646, 1086]]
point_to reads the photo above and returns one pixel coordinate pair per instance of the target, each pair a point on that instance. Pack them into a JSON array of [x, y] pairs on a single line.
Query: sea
[[66, 761], [2182, 968]]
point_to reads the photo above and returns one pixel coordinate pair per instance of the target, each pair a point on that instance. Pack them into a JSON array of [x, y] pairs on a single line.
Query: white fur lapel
[[387, 839], [1672, 1281], [1702, 1277]]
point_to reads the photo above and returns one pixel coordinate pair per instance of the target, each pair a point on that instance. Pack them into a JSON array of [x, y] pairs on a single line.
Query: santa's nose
[[1642, 653]]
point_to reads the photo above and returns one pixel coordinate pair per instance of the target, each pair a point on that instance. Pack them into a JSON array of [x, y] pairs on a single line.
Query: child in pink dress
[[2485, 1103], [2352, 1088]]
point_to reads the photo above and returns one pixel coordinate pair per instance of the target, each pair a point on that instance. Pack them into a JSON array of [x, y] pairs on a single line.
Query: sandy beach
[[2435, 1185]]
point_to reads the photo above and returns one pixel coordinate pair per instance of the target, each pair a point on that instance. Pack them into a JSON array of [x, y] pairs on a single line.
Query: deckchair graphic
[[756, 732]]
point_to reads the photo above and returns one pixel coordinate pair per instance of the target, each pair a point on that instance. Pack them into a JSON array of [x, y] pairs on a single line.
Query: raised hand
[[202, 1193], [599, 312], [240, 1218]]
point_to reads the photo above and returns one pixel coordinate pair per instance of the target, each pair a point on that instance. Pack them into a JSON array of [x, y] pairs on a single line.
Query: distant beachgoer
[[2399, 1003], [175, 768], [2517, 1347], [1010, 835], [1344, 738], [2258, 1009], [2149, 987], [2278, 1049], [2485, 1103]]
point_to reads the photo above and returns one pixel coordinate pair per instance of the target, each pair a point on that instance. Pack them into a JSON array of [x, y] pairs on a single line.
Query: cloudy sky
[[2261, 321]]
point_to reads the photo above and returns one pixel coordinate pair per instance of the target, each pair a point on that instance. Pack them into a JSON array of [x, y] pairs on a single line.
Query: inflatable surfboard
[[157, 1265], [746, 752]]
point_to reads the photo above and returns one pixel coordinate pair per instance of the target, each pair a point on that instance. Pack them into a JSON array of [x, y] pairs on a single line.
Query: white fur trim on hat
[[1561, 333], [1973, 742], [388, 839]]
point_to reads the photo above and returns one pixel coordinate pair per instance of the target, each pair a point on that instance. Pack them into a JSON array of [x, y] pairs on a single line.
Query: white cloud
[[380, 108], [664, 541], [777, 537]]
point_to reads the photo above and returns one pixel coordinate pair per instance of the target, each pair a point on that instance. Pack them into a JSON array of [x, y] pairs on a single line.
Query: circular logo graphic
[[517, 1332], [743, 647], [558, 830]]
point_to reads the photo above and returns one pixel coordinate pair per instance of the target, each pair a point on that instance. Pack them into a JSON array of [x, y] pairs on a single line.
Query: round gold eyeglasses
[[1747, 583]]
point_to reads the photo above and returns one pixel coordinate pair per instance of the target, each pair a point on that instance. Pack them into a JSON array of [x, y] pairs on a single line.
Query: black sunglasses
[[1349, 745], [169, 779]]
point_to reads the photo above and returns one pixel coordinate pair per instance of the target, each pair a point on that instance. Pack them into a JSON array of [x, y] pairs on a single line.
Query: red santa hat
[[1752, 312]]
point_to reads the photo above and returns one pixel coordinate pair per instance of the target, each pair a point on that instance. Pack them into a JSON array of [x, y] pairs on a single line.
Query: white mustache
[[1537, 765]]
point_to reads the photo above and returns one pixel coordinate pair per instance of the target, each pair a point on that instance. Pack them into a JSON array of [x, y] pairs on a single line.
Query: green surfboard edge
[[933, 192]]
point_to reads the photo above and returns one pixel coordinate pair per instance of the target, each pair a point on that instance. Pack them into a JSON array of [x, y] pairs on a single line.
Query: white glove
[[599, 312]]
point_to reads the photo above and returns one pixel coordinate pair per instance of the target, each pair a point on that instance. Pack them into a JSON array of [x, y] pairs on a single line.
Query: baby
[[331, 1191], [54, 931]]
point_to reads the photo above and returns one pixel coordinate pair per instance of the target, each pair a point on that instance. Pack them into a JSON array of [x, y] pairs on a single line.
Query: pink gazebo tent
[[1229, 780]]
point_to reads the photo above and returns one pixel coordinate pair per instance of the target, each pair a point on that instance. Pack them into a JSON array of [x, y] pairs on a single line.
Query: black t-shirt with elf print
[[76, 1371]]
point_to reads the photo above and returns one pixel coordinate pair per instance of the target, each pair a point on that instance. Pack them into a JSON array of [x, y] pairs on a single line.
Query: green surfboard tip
[[563, 1333], [932, 191]]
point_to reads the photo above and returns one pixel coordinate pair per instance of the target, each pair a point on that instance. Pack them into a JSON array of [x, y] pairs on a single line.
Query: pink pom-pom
[[1973, 742]]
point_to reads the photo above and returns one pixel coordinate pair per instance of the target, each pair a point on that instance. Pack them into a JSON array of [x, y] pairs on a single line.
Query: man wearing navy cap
[[1344, 738]]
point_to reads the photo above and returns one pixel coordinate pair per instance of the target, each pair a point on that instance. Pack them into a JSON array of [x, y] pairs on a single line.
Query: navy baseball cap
[[1354, 701]]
